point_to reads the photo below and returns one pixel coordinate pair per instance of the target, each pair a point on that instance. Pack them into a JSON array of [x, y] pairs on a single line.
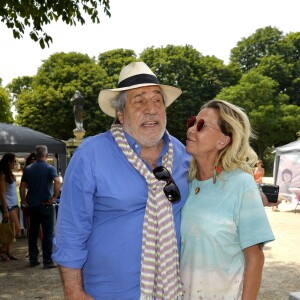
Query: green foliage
[[272, 118], [46, 106], [19, 84], [263, 77], [273, 55], [249, 51], [5, 113], [113, 61], [268, 161], [270, 88], [19, 15]]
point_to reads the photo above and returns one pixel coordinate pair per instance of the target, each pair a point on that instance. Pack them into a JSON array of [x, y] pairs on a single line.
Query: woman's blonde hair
[[234, 123]]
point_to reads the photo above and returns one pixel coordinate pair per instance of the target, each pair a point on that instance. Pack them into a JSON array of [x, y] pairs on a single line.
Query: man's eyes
[[139, 100]]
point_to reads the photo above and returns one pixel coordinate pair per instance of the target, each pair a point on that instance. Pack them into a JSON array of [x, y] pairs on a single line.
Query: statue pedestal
[[73, 143], [79, 134]]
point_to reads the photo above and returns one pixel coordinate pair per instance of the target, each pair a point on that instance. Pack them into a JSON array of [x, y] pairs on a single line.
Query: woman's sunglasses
[[171, 190], [200, 124]]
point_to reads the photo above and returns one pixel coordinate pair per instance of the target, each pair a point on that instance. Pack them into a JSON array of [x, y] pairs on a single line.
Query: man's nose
[[151, 107]]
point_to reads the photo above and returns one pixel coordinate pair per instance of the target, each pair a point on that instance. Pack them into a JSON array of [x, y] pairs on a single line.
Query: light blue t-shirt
[[219, 222]]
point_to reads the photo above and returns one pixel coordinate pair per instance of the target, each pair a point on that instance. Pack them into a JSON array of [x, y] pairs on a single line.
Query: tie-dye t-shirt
[[218, 222]]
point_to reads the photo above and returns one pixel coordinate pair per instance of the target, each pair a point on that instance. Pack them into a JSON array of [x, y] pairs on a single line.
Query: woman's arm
[[2, 196], [262, 172], [254, 258]]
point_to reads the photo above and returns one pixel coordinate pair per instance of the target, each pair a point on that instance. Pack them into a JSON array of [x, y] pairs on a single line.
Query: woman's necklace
[[217, 171]]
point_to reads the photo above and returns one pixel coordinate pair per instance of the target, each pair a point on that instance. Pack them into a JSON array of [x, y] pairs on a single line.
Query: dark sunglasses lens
[[172, 192], [200, 124], [191, 121], [161, 173]]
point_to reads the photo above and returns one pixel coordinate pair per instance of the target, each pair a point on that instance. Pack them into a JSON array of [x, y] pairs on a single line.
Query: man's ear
[[120, 117], [225, 140]]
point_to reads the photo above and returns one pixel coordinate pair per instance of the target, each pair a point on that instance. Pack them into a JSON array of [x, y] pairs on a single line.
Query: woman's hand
[[6, 215], [266, 201]]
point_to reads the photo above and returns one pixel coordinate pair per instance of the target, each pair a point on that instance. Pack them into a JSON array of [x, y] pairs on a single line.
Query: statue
[[77, 100]]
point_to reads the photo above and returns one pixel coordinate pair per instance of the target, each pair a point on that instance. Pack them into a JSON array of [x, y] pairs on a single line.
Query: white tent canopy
[[286, 170]]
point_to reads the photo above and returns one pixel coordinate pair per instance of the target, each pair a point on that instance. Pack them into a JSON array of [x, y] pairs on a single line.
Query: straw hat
[[135, 75]]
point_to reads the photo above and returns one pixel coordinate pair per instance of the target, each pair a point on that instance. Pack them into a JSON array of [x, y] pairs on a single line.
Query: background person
[[37, 180], [111, 202], [9, 200], [224, 225], [30, 160], [259, 172]]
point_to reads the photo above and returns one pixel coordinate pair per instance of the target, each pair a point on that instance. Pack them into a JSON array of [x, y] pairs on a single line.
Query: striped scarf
[[160, 278]]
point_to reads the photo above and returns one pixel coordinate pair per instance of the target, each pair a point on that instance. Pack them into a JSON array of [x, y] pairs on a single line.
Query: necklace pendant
[[197, 190]]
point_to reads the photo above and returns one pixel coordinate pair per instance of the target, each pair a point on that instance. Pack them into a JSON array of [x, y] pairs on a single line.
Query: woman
[[259, 172], [9, 200], [224, 225]]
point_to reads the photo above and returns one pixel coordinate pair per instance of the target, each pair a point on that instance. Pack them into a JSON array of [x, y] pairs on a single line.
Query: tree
[[5, 112], [113, 62], [46, 106], [19, 15], [274, 120], [289, 48], [17, 86], [284, 66], [249, 51]]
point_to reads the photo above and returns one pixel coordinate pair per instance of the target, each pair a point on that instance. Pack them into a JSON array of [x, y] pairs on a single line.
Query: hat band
[[138, 79]]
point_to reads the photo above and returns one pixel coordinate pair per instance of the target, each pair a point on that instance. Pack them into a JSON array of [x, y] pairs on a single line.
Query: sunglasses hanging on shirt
[[171, 190]]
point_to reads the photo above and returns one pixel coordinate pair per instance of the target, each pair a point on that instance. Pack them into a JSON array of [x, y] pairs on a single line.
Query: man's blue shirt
[[101, 215]]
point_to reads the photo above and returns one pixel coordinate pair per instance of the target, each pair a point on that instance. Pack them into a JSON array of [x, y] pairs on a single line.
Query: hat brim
[[106, 96]]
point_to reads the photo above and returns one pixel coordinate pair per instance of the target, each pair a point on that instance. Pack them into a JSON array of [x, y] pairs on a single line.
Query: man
[[38, 179], [113, 209]]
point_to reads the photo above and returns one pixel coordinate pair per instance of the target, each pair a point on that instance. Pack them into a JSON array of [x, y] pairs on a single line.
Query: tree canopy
[[273, 119], [249, 51], [46, 104], [263, 77], [5, 112], [19, 15]]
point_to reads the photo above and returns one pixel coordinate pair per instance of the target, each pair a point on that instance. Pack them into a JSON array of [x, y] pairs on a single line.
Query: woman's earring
[[217, 170], [215, 175]]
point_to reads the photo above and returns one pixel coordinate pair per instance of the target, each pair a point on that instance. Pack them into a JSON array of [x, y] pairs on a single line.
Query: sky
[[213, 27]]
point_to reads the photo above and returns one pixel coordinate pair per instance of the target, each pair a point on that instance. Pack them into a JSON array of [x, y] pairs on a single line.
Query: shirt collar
[[136, 147]]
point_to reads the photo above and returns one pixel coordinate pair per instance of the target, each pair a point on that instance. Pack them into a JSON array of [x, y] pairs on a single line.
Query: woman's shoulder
[[239, 176]]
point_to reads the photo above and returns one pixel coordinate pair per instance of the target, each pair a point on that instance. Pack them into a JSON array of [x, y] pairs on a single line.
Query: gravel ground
[[281, 273]]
